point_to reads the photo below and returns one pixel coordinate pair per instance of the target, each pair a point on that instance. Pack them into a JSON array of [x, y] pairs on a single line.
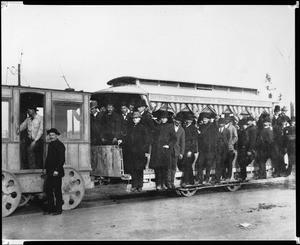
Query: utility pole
[[19, 74]]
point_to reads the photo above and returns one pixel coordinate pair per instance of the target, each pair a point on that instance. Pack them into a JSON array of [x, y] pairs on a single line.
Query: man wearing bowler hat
[[276, 116], [227, 174], [284, 111], [126, 122], [290, 144], [191, 150], [221, 151], [138, 142], [54, 173], [146, 119], [164, 139], [110, 126], [34, 141], [96, 117], [207, 141], [246, 145], [177, 151]]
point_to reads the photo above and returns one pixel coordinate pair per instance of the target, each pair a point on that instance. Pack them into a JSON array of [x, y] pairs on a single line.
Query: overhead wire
[[15, 71], [63, 76]]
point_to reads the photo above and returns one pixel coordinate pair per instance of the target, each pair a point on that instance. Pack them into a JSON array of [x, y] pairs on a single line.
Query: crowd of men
[[209, 144]]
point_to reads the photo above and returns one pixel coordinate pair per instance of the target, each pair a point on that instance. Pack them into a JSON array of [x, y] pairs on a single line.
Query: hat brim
[[53, 131]]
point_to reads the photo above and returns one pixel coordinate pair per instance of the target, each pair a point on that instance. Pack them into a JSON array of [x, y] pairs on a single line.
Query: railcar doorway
[[116, 99], [29, 99]]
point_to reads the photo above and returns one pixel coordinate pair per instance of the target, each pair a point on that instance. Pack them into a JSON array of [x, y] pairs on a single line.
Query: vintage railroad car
[[69, 112]]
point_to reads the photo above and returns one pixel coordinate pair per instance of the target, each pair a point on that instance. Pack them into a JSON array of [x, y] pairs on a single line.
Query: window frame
[[69, 103], [9, 120]]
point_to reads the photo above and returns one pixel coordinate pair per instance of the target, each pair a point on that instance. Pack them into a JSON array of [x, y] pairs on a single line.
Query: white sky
[[230, 45]]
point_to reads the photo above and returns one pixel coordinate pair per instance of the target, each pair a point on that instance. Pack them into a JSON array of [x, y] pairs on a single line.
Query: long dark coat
[[222, 140], [138, 142], [179, 146], [164, 134], [55, 158], [290, 139], [111, 126], [252, 133], [279, 138], [147, 121], [265, 144], [276, 120], [207, 140], [126, 123], [96, 129], [191, 138]]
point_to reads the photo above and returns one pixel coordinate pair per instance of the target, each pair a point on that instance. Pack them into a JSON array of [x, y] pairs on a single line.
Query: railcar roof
[[45, 89], [132, 80], [177, 91]]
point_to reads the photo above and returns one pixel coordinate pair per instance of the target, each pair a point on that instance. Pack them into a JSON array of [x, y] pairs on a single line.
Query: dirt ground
[[255, 212]]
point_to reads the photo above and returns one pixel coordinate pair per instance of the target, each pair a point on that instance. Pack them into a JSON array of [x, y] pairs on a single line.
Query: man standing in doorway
[[96, 117], [126, 123], [54, 173], [110, 126], [34, 141]]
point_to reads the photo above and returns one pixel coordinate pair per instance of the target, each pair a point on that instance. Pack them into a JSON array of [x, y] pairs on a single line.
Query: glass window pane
[[5, 119], [68, 121]]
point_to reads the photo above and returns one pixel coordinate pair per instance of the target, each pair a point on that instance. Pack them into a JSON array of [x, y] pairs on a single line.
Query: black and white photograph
[[148, 122]]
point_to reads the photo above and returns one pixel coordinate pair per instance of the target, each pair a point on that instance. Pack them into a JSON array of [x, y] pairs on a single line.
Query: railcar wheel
[[188, 193], [233, 187], [72, 188], [24, 199], [11, 193]]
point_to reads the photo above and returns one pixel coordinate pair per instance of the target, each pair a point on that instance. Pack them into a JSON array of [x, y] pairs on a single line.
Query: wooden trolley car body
[[69, 112], [57, 108]]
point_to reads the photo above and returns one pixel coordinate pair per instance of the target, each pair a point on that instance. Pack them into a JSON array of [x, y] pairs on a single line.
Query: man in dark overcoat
[[283, 113], [207, 142], [177, 151], [246, 145], [278, 133], [223, 137], [290, 144], [227, 173], [138, 142], [111, 126], [191, 150], [265, 148], [126, 123], [146, 120], [96, 117], [164, 139], [54, 173], [276, 116]]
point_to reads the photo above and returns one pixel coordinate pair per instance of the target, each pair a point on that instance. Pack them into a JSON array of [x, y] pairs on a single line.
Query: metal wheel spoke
[[72, 188], [233, 187], [24, 199], [188, 193], [11, 193]]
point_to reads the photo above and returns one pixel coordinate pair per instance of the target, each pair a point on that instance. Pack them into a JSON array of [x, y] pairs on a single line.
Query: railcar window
[[68, 121], [5, 119]]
